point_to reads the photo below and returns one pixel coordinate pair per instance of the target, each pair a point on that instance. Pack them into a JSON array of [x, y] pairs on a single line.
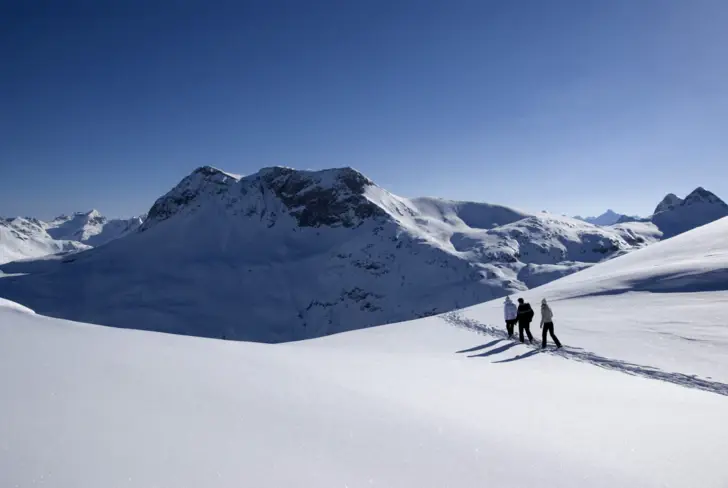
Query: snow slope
[[664, 306], [418, 404], [306, 254], [26, 238]]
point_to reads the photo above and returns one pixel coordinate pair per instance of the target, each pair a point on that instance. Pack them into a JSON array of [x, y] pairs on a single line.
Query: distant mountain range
[[283, 254], [610, 217], [22, 238]]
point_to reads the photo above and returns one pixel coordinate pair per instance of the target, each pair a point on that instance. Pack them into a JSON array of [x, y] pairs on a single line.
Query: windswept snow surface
[[664, 306], [418, 404]]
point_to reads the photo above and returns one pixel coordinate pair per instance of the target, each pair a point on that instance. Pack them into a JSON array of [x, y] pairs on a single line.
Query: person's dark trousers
[[548, 327], [510, 324], [527, 327]]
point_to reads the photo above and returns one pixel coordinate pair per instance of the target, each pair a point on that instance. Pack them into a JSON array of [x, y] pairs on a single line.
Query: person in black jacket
[[525, 316]]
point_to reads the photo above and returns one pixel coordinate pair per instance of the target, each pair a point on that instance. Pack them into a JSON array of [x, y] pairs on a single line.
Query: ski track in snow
[[577, 354]]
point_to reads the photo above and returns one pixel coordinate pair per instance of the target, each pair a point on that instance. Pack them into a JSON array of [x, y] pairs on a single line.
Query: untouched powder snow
[[664, 306], [419, 404]]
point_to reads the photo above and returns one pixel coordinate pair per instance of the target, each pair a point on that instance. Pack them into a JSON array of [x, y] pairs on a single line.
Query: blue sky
[[569, 106]]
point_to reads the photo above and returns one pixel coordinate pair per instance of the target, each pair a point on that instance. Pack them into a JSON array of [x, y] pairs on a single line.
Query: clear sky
[[569, 106]]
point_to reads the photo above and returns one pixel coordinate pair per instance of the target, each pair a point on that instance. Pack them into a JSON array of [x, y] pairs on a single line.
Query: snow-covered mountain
[[22, 238], [307, 254], [673, 215], [610, 217], [427, 403]]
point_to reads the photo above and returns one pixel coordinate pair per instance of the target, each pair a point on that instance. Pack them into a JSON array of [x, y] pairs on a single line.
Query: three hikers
[[523, 315]]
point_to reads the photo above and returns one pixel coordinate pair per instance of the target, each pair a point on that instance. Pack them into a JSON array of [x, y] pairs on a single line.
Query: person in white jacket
[[510, 313], [547, 324]]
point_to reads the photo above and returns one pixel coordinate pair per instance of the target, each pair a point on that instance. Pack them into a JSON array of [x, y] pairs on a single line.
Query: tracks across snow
[[578, 354]]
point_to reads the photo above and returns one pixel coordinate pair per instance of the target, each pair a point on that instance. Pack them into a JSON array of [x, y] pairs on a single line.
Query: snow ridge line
[[577, 354]]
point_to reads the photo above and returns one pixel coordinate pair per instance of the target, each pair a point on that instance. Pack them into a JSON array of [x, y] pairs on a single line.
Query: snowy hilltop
[[23, 238], [306, 254], [636, 398]]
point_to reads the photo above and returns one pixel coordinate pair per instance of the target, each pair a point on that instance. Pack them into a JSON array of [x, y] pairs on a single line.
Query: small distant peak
[[668, 203]]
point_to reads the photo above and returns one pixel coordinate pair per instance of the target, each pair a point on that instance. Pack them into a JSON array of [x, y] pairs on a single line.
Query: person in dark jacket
[[525, 316]]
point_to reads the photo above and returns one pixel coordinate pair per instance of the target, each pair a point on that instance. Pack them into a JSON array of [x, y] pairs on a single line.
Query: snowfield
[[637, 398], [399, 405]]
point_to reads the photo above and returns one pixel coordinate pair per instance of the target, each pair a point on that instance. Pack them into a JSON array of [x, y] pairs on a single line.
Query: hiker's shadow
[[478, 348], [497, 350], [520, 356]]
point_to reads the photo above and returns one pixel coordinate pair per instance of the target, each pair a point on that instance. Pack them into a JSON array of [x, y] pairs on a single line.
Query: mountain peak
[[204, 181], [674, 215], [610, 217], [328, 197], [701, 195], [668, 203]]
